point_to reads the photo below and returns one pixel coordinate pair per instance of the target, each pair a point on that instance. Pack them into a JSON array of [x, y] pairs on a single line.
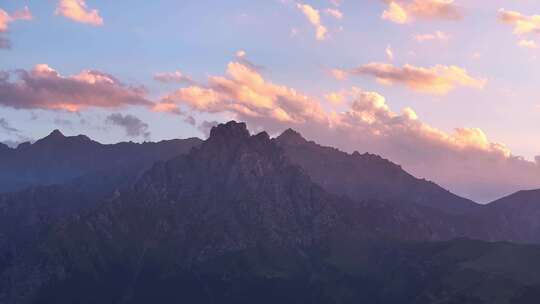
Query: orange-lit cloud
[[406, 11], [439, 80], [244, 91], [77, 10], [44, 88], [523, 24], [314, 18]]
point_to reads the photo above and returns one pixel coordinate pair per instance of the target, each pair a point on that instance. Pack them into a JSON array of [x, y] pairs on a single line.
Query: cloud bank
[[45, 88]]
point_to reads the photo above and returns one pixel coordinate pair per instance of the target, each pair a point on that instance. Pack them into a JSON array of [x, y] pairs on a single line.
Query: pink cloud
[[6, 19], [44, 88], [438, 80], [77, 10]]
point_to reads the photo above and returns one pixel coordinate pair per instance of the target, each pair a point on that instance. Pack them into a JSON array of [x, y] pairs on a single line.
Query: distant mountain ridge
[[59, 159], [93, 169]]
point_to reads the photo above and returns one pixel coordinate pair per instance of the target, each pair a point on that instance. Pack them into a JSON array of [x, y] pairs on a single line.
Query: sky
[[447, 89]]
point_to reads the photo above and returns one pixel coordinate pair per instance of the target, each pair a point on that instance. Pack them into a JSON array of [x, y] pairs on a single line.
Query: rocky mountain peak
[[54, 137], [231, 142], [291, 137], [231, 131], [56, 134]]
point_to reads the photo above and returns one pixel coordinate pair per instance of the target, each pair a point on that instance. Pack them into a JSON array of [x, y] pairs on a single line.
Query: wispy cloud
[[314, 18]]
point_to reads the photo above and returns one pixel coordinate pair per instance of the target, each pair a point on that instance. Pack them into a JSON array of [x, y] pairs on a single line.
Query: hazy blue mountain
[[59, 159]]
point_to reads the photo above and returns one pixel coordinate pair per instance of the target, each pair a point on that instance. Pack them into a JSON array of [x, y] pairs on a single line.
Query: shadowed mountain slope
[[367, 176], [516, 216]]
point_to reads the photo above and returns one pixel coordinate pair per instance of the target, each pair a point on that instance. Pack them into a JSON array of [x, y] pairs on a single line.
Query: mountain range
[[241, 218]]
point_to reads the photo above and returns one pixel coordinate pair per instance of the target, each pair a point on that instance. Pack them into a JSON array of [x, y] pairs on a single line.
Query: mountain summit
[[291, 137]]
